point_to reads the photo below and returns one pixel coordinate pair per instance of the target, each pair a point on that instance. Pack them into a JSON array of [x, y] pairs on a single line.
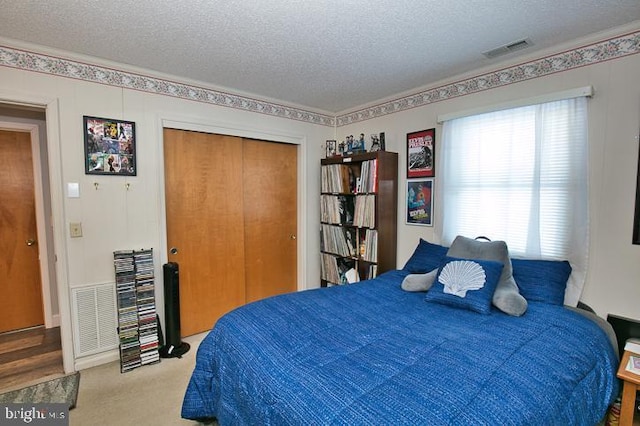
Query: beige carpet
[[149, 395]]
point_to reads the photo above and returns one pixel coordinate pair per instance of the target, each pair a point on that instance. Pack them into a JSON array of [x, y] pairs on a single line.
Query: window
[[520, 175]]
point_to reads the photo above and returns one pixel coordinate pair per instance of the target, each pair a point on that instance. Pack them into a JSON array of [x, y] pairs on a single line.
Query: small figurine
[[361, 143]]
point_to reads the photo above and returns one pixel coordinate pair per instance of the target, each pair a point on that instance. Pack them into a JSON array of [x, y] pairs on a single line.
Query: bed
[[372, 353]]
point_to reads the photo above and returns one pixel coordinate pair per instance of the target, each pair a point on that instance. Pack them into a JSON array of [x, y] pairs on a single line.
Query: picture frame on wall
[[330, 148], [419, 202], [109, 146], [635, 238], [421, 154]]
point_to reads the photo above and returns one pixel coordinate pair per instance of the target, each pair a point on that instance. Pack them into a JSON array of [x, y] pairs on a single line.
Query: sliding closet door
[[205, 224], [231, 208], [270, 218]]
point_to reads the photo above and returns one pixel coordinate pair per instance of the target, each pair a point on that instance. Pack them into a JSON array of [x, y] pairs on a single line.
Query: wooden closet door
[[270, 218], [205, 223]]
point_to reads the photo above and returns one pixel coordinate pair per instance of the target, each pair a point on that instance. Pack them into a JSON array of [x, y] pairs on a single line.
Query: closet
[[231, 207]]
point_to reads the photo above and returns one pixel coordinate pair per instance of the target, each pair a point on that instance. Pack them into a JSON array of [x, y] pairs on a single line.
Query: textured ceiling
[[326, 55]]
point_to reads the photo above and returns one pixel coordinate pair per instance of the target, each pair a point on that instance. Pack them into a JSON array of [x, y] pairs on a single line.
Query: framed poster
[[330, 146], [635, 239], [420, 202], [421, 154], [109, 146]]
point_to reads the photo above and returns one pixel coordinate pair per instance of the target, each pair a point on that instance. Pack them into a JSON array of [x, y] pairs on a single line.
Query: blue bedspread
[[370, 353]]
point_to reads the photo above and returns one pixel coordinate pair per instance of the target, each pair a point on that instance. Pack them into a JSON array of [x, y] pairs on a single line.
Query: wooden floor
[[29, 356]]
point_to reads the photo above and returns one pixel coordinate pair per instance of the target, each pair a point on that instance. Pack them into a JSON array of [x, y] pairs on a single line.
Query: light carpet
[[150, 395]]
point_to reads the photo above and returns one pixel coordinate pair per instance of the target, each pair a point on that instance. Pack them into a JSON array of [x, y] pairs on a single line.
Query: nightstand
[[631, 386]]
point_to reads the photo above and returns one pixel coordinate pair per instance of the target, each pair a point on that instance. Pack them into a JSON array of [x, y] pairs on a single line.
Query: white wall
[[114, 217], [613, 279]]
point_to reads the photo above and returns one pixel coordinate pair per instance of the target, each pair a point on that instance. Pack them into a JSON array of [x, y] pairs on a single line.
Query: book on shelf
[[633, 345], [337, 209], [365, 211], [338, 270], [338, 178], [338, 240], [634, 364]]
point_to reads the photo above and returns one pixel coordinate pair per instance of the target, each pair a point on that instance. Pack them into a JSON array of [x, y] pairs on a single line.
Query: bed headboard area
[[625, 328]]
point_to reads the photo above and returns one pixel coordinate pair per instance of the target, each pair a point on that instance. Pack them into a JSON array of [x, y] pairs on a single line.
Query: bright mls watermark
[[34, 414]]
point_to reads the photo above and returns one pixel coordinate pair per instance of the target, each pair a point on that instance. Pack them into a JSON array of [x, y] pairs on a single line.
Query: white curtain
[[520, 175]]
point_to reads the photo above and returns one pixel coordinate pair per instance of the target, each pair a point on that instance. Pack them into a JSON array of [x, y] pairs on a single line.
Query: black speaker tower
[[173, 346]]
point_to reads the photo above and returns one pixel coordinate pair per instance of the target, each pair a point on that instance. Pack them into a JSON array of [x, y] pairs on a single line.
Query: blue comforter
[[370, 353]]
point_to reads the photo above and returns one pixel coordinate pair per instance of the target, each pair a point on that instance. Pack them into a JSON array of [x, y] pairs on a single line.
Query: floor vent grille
[[95, 320]]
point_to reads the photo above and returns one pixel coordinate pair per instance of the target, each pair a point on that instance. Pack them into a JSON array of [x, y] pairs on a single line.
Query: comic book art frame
[[109, 146], [419, 202], [421, 154]]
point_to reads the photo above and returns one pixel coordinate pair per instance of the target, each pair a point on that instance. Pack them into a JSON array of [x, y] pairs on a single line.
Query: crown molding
[[28, 58], [601, 51]]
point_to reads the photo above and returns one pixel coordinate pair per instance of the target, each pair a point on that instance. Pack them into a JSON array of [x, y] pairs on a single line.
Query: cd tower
[[137, 319]]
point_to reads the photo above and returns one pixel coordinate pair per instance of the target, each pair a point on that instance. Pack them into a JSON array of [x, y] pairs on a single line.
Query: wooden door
[[232, 215], [20, 285], [270, 218], [203, 191]]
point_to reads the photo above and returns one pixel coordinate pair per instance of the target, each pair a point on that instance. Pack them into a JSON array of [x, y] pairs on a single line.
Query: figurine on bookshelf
[[341, 148], [349, 144], [355, 146], [359, 146]]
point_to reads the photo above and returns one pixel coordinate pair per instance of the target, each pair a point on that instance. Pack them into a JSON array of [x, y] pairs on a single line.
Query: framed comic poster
[[420, 202], [109, 146], [421, 154]]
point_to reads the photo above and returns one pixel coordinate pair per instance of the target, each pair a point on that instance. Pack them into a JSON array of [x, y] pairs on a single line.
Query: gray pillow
[[507, 298], [419, 282]]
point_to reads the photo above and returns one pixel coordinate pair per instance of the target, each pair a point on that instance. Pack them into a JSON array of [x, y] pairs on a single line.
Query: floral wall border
[[613, 48], [46, 64]]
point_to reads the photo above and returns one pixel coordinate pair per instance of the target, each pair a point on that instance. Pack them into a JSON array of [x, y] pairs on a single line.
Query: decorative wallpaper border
[[613, 48], [37, 62]]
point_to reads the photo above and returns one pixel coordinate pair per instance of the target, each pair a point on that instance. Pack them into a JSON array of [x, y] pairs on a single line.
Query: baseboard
[[98, 359]]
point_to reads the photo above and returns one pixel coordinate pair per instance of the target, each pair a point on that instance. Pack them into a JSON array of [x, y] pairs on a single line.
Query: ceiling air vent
[[508, 48]]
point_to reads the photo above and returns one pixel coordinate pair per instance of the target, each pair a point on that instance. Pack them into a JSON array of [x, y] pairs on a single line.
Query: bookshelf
[[137, 319], [358, 216]]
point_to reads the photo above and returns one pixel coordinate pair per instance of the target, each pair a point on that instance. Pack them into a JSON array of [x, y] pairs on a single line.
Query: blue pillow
[[542, 280], [425, 258], [466, 283]]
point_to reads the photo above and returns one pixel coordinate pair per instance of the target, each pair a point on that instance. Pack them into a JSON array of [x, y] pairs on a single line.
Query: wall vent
[[508, 48], [95, 319]]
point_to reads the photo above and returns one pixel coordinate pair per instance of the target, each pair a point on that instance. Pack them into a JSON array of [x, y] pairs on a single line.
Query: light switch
[[73, 190], [75, 229]]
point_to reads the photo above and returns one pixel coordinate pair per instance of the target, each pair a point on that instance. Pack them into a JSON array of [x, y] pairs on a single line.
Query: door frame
[[56, 197], [42, 223], [239, 130]]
